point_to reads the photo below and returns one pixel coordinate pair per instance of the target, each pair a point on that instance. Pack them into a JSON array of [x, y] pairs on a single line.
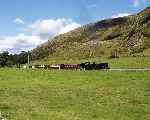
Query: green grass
[[74, 95], [122, 62]]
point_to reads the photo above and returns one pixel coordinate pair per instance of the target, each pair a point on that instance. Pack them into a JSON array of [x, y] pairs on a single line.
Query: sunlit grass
[[74, 95]]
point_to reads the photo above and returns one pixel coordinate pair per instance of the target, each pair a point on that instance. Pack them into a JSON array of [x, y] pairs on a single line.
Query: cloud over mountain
[[36, 33], [50, 27], [120, 15]]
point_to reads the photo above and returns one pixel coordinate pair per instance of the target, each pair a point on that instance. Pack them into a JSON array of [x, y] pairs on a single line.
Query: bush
[[114, 54]]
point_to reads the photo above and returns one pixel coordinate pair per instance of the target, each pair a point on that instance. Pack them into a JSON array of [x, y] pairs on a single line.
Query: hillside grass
[[74, 95], [127, 35]]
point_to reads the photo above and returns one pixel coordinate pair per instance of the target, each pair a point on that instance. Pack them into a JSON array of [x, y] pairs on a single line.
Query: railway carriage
[[82, 66]]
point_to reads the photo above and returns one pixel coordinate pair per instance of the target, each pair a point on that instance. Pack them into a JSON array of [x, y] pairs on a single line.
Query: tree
[[4, 58], [9, 60], [21, 58]]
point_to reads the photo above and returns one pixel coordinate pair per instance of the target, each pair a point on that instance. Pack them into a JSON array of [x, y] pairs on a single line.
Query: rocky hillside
[[121, 36]]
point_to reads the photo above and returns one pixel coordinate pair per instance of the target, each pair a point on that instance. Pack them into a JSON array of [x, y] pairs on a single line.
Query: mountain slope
[[126, 36]]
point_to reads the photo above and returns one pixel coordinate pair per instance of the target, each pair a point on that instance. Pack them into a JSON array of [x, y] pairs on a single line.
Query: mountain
[[123, 36]]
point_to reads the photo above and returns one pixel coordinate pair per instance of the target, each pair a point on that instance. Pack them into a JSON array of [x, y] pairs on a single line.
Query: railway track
[[134, 70]]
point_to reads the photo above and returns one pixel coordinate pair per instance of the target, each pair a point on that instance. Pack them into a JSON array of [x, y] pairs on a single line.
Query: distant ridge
[[126, 35]]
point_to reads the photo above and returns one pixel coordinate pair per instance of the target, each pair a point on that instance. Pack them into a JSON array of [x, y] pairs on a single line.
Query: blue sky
[[20, 19]]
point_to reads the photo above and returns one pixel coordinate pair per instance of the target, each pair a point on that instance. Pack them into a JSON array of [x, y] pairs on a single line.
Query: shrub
[[114, 54]]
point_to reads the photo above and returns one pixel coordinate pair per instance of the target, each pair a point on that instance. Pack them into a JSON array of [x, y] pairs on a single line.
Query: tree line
[[10, 60]]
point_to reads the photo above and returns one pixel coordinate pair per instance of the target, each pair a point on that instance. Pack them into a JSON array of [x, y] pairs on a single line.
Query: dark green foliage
[[9, 60], [4, 58]]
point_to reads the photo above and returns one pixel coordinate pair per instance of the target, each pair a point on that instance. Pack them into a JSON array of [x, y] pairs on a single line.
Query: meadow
[[74, 95], [122, 62]]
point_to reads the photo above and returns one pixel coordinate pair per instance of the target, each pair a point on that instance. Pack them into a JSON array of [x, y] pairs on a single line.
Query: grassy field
[[122, 62], [74, 95]]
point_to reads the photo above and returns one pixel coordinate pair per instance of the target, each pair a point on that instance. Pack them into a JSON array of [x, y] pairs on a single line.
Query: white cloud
[[36, 33], [120, 15], [137, 3], [19, 21], [69, 27], [51, 28], [92, 6], [19, 42]]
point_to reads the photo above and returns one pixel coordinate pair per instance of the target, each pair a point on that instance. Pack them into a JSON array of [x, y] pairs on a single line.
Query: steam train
[[82, 66], [94, 66]]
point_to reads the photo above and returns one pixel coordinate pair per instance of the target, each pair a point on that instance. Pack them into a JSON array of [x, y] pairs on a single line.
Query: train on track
[[82, 66]]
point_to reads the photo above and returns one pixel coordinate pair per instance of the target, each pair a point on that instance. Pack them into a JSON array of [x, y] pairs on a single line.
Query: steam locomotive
[[94, 66]]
